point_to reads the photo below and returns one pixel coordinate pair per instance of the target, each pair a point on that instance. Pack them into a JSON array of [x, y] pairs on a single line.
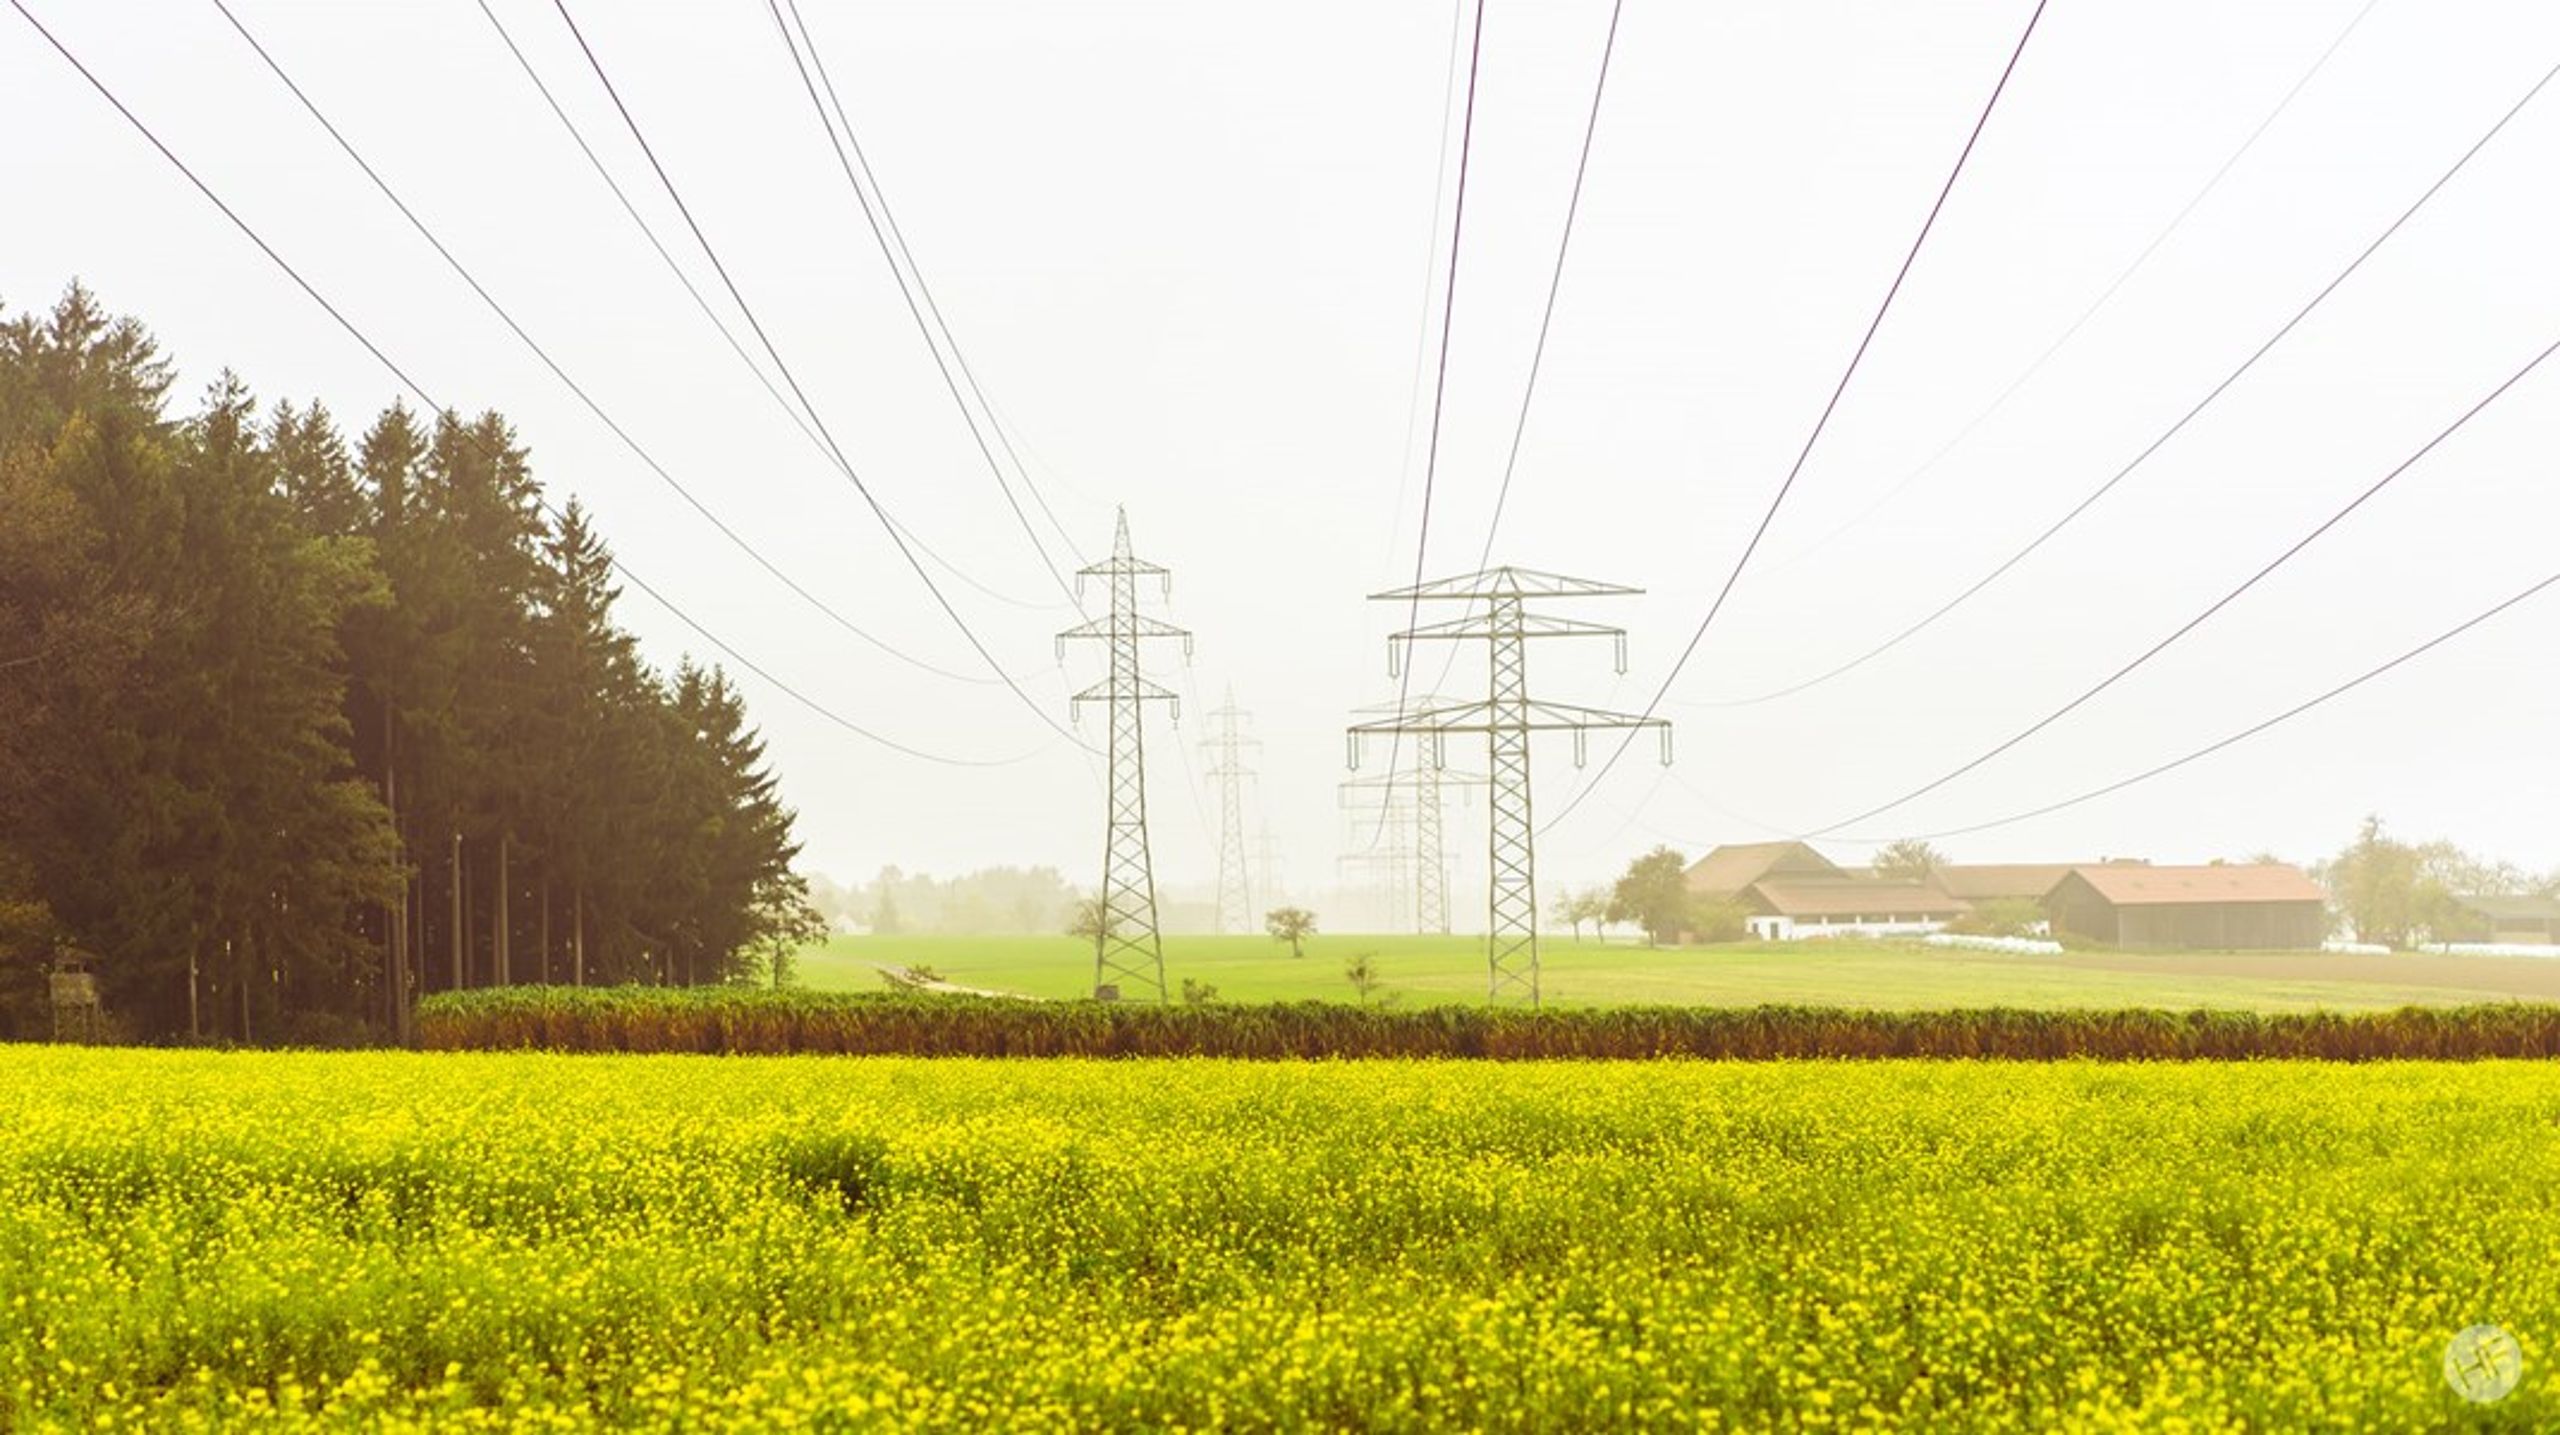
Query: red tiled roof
[[2129, 886], [1855, 897], [1982, 881], [1731, 868]]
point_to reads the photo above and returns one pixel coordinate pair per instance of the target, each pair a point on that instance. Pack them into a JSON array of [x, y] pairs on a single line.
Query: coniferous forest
[[300, 722]]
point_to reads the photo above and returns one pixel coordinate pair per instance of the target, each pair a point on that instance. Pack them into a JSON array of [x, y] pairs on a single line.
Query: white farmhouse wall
[[1797, 929]]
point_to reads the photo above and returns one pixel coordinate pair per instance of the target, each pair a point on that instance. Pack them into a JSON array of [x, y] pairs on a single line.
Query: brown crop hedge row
[[744, 1022]]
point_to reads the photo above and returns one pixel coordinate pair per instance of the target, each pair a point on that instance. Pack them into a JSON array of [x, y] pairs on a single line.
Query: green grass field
[[398, 1241], [1424, 970]]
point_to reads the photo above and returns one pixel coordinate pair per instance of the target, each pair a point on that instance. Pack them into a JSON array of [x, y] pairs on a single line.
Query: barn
[[1724, 873], [2243, 906], [2000, 881], [2513, 921], [1790, 908]]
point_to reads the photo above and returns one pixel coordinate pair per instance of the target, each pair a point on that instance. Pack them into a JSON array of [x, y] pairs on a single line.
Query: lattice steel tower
[[1127, 949], [1266, 860], [1506, 717], [1385, 869], [1227, 744], [1416, 798]]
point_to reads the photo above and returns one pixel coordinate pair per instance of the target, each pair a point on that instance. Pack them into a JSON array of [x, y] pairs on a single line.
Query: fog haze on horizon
[[1185, 250]]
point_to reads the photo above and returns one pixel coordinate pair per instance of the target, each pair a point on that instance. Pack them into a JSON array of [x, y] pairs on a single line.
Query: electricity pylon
[[1127, 948], [1386, 866], [1235, 878], [1506, 717], [1414, 802], [1266, 860], [1430, 858]]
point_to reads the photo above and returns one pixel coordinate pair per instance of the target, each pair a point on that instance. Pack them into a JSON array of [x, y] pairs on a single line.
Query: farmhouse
[[2250, 905], [2519, 921], [1784, 908], [1722, 874]]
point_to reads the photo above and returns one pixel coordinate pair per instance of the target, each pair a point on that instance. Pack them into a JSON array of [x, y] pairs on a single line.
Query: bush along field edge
[[751, 1022]]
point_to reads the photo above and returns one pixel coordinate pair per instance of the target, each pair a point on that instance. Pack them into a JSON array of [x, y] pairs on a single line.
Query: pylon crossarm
[[1412, 702], [1539, 717], [1530, 625], [1124, 624], [1122, 565], [1547, 717], [1454, 717], [1446, 777], [1507, 582], [1145, 690]]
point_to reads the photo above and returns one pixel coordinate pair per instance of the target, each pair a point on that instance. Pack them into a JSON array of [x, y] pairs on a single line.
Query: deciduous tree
[[1654, 894]]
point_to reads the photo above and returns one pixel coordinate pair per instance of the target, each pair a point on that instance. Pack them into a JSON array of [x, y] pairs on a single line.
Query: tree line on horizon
[[987, 901], [295, 729]]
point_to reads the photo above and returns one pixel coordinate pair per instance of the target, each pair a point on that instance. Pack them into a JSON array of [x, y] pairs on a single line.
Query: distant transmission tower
[[1410, 806], [1430, 858], [1266, 860], [1127, 949], [1427, 781], [1227, 742], [1506, 717], [1383, 815]]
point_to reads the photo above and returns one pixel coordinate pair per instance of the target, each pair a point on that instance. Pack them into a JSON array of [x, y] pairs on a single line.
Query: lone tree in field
[[1363, 974], [1654, 894], [1292, 925], [1909, 859], [1090, 923], [791, 925]]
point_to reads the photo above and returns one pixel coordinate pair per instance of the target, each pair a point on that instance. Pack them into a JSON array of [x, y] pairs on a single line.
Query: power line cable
[[2123, 276], [728, 335], [889, 217], [2218, 604], [1547, 317], [872, 216], [1439, 394], [638, 451], [1430, 268], [2243, 735], [1555, 285], [2165, 435], [792, 381], [424, 397], [1823, 421]]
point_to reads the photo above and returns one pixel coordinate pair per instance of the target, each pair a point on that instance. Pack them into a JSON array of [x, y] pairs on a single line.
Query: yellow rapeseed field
[[456, 1242]]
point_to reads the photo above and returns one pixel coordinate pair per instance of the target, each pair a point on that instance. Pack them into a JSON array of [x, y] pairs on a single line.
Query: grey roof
[[2530, 909]]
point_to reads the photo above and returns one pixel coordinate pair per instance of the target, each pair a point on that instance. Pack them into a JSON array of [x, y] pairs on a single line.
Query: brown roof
[[1984, 881], [1846, 896], [2130, 886], [1733, 867]]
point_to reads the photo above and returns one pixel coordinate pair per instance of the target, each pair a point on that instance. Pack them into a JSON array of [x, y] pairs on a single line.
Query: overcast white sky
[[1185, 247]]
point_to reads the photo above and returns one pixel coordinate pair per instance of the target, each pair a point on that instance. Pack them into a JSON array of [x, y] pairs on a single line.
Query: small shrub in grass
[[1362, 972]]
